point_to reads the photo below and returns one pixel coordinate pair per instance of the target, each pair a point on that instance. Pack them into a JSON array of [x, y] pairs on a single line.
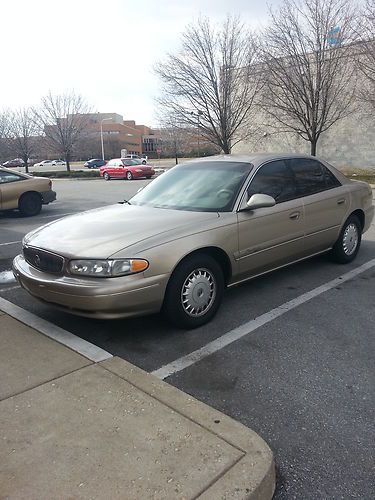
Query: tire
[[129, 175], [144, 162], [30, 204], [148, 176], [106, 176], [197, 281], [347, 245]]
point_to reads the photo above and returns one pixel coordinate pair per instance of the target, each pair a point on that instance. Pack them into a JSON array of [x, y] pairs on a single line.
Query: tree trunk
[[313, 143], [67, 159], [226, 147], [25, 160]]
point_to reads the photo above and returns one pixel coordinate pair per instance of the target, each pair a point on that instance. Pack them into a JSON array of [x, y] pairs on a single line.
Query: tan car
[[24, 192], [200, 227]]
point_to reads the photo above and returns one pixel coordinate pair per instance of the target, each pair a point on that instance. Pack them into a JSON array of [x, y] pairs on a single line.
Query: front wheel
[[194, 292], [129, 175], [349, 241], [106, 176]]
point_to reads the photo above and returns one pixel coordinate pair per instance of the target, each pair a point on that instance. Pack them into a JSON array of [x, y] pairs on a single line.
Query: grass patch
[[73, 174], [360, 175]]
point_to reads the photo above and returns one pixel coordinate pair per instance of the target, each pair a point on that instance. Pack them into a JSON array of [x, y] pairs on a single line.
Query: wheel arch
[[361, 216], [216, 253]]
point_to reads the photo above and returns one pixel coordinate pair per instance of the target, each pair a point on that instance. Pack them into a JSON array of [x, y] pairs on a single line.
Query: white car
[[142, 158], [50, 163]]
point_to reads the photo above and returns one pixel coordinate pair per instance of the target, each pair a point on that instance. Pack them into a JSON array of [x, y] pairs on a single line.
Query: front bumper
[[48, 197], [104, 298]]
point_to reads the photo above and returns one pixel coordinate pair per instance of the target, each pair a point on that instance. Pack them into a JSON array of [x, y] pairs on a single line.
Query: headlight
[[107, 268], [138, 170]]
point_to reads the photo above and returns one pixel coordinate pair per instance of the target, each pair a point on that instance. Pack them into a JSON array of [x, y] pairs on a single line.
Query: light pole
[[101, 134], [198, 114]]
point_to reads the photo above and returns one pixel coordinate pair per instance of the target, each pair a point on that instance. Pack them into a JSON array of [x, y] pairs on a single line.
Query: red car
[[124, 168]]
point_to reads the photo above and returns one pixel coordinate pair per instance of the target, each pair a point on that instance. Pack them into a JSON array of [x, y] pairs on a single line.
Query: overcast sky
[[103, 49]]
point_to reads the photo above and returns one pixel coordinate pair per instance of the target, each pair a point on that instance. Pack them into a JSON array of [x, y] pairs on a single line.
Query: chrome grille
[[42, 260]]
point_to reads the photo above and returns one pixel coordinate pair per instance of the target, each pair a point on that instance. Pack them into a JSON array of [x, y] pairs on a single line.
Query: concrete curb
[[253, 477], [67, 409]]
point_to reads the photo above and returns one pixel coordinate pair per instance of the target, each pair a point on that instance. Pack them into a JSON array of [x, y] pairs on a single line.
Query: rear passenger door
[[325, 200]]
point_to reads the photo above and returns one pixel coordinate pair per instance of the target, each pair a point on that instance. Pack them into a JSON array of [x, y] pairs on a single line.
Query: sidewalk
[[73, 428]]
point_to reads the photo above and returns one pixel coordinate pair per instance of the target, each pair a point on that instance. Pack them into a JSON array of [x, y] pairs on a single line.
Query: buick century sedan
[[24, 192], [202, 226]]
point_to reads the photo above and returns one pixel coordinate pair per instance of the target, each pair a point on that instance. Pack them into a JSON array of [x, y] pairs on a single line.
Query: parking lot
[[290, 354]]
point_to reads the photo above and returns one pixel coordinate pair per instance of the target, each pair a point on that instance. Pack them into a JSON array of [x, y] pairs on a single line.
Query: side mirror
[[260, 201]]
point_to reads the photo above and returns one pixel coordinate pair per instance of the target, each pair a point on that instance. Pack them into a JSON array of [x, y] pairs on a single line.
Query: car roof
[[255, 159]]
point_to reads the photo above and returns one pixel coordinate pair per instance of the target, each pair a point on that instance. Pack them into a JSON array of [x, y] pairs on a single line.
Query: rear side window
[[275, 179], [331, 181], [6, 177]]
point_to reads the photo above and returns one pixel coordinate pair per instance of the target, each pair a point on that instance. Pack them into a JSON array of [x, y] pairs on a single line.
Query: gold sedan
[[24, 192], [198, 228]]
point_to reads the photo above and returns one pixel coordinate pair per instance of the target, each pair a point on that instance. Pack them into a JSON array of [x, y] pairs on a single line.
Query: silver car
[[200, 227]]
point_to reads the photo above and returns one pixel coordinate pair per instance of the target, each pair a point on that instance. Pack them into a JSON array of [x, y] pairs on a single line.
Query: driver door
[[273, 236]]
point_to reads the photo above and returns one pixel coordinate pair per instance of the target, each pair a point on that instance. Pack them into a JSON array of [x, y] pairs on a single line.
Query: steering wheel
[[225, 193]]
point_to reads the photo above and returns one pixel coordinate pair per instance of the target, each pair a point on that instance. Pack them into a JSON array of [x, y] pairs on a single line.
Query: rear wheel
[[349, 241], [129, 175], [30, 204], [194, 292], [106, 176]]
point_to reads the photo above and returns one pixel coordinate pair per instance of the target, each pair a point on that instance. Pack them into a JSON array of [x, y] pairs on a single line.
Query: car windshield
[[131, 162], [202, 186]]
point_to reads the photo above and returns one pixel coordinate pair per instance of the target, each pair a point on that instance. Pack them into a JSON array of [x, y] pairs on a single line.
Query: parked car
[[16, 162], [95, 163], [200, 227], [125, 168], [142, 158], [24, 192], [50, 163], [44, 163]]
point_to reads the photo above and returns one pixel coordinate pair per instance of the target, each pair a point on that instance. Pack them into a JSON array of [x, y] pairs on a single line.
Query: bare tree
[[62, 118], [308, 62], [4, 134], [366, 57], [22, 134], [212, 78]]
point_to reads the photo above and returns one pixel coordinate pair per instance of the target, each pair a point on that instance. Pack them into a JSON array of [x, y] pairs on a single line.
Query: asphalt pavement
[[304, 381]]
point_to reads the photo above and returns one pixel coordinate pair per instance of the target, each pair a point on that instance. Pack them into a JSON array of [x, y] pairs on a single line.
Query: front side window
[[275, 179], [6, 177]]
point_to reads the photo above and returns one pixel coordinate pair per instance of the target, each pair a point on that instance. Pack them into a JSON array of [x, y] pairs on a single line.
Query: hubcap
[[350, 239], [198, 292]]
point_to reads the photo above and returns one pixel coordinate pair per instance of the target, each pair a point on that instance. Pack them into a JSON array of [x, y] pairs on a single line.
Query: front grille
[[42, 260]]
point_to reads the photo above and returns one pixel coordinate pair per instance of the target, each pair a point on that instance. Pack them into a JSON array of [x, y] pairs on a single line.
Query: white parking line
[[90, 351], [9, 288], [7, 277], [56, 215], [9, 243], [252, 325]]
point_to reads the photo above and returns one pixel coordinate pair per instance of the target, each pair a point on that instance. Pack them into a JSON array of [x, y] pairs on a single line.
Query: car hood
[[103, 232]]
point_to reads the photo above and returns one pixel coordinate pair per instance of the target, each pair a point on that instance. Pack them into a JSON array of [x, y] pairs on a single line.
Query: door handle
[[341, 201], [294, 215]]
